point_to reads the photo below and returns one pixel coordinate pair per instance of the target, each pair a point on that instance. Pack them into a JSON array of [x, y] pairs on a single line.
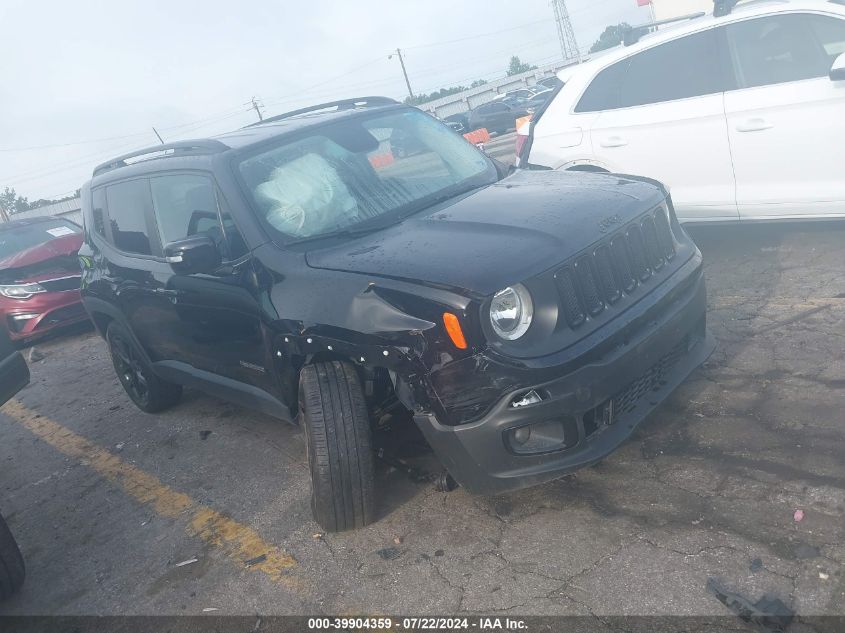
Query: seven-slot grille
[[614, 268], [60, 284]]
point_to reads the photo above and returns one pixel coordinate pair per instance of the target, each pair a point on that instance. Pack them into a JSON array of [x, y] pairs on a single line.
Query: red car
[[39, 276]]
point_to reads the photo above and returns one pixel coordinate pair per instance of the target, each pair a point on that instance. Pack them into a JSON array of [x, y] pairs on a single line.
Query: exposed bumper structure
[[592, 409]]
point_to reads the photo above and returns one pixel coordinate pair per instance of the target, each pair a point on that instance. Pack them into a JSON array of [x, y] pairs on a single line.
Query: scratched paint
[[240, 543]]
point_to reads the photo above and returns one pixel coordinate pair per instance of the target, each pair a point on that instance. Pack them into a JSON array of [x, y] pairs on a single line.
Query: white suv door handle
[[613, 141], [754, 125]]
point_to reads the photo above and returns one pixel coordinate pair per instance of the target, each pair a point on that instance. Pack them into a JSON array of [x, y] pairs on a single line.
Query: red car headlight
[[20, 291]]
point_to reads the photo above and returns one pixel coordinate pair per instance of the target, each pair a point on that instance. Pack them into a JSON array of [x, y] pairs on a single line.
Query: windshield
[[349, 173], [23, 237]]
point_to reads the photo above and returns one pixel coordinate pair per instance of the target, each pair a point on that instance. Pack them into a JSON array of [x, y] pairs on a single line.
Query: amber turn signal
[[453, 328]]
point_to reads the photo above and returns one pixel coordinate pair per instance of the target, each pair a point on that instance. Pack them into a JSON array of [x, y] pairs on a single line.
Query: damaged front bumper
[[589, 411]]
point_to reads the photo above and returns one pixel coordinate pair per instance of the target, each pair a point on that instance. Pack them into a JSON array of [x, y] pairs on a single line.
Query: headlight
[[511, 312], [20, 291]]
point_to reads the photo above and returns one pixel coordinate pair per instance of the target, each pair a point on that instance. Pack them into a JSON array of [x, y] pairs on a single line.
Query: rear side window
[[603, 92], [776, 49], [128, 204], [687, 67]]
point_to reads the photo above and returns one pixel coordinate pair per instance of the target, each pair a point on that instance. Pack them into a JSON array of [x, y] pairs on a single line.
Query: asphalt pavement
[[207, 505]]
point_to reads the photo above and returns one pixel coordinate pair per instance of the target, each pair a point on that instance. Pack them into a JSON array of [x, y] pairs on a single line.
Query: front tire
[[340, 457], [12, 570], [150, 393]]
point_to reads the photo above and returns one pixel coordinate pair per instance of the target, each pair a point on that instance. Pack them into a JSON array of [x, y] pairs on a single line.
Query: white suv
[[742, 116]]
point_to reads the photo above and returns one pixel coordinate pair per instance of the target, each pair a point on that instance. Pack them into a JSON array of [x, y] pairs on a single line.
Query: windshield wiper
[[346, 232]]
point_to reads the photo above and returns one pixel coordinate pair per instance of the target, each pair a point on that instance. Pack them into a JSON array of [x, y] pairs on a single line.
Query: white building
[[665, 9], [70, 209]]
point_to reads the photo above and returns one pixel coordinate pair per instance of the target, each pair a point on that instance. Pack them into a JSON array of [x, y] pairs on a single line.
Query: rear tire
[[150, 393], [12, 570], [340, 457]]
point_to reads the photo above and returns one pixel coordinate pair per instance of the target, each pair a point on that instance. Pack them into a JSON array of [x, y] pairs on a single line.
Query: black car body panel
[[245, 329], [525, 209]]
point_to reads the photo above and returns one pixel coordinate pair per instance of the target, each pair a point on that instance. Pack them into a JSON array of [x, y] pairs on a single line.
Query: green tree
[[478, 82], [612, 36], [516, 66], [12, 202]]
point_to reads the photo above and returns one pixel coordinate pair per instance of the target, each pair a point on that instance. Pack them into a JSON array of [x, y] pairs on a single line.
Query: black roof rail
[[342, 104], [633, 34], [204, 146]]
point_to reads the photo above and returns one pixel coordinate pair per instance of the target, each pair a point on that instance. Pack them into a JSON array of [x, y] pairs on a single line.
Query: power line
[[104, 153], [57, 145], [105, 139], [321, 83], [326, 81], [191, 126], [512, 28], [475, 37], [498, 74], [425, 72]]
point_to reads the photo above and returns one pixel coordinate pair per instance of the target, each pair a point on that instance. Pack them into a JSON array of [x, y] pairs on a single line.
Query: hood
[[500, 235], [39, 262]]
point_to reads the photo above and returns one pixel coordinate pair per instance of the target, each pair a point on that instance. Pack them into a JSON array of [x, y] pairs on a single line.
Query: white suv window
[[775, 49], [830, 32], [687, 67]]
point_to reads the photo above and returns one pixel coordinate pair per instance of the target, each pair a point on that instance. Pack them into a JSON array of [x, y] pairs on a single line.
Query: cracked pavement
[[706, 488]]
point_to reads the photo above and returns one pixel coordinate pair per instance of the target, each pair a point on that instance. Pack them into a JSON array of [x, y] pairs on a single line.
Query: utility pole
[[404, 72], [159, 136], [257, 109], [565, 32]]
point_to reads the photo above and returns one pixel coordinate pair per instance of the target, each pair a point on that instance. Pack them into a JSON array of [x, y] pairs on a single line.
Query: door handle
[[164, 292], [754, 125], [613, 141]]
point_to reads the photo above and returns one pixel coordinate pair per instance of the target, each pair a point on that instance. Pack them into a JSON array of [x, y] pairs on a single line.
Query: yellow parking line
[[239, 542]]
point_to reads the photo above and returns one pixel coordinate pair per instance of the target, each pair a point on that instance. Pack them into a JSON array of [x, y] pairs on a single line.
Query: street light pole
[[404, 72]]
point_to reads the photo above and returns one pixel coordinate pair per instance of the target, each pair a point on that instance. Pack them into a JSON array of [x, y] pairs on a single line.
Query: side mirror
[[837, 71], [195, 254]]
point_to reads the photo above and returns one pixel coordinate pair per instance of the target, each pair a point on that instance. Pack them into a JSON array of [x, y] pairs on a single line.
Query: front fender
[[369, 321]]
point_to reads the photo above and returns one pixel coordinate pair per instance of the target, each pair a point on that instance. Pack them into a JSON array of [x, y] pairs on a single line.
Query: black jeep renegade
[[526, 323]]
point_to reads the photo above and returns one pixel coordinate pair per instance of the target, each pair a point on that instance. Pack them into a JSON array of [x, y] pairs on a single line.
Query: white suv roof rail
[[633, 34]]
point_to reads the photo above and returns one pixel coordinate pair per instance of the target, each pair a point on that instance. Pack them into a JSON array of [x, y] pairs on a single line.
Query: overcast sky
[[108, 71]]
